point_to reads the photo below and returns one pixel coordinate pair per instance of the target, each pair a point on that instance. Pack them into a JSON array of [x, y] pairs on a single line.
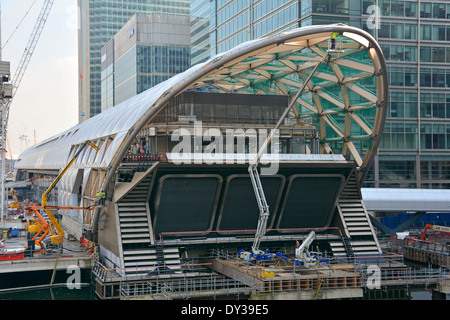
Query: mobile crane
[[302, 253], [256, 253], [41, 227], [437, 229]]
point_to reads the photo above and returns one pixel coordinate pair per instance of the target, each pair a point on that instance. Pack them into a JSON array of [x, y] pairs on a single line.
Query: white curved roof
[[401, 200], [347, 114], [53, 153]]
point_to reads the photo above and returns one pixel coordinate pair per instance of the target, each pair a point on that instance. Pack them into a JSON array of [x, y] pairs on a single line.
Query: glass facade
[[149, 49], [100, 21], [107, 76], [158, 63], [200, 22], [415, 38]]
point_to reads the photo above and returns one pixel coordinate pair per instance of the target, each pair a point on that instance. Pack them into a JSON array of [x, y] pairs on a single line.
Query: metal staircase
[[140, 254], [360, 238]]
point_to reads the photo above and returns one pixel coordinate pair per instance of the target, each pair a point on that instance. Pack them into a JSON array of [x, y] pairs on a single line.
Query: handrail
[[426, 245], [246, 231], [417, 276], [110, 274]]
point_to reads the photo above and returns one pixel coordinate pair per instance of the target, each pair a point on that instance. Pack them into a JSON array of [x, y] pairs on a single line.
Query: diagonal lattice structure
[[344, 98]]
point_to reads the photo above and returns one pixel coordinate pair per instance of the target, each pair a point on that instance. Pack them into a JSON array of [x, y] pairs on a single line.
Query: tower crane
[[28, 52], [15, 82]]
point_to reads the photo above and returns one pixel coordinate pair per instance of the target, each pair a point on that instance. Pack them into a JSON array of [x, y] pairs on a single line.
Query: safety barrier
[[185, 287], [232, 276], [144, 157], [408, 276]]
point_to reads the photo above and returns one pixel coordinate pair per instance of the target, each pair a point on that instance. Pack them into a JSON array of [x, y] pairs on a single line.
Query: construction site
[[239, 178]]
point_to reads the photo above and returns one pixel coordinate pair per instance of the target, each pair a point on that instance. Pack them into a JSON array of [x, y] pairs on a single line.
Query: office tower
[[200, 25], [100, 20], [149, 49], [414, 36]]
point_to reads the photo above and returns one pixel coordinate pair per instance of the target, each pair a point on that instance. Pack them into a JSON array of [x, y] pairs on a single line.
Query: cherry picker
[[256, 253], [41, 228]]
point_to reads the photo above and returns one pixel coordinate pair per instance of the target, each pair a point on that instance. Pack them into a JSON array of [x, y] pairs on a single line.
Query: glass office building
[[149, 49], [100, 20], [415, 38], [200, 24]]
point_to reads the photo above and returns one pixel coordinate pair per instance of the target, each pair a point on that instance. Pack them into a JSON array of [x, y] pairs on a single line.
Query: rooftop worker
[[333, 40], [101, 198]]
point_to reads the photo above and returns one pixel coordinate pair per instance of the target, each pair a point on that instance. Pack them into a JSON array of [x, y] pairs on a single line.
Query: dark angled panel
[[310, 201], [239, 210], [186, 203]]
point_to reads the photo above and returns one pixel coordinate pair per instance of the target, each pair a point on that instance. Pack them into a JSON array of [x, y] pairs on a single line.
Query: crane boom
[[253, 169], [17, 78], [28, 52], [59, 237]]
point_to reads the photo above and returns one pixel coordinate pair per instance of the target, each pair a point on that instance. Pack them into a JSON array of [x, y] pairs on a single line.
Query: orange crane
[[443, 230], [41, 226]]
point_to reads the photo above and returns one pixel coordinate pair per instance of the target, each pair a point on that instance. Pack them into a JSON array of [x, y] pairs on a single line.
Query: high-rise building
[[149, 49], [200, 24], [415, 37], [100, 20]]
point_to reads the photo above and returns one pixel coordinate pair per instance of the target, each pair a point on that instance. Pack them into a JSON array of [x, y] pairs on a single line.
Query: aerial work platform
[[280, 282]]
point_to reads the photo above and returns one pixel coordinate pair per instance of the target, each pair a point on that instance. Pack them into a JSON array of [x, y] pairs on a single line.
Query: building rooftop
[[345, 98]]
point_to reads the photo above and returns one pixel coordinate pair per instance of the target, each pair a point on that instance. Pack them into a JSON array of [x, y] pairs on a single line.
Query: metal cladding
[[302, 195], [346, 98]]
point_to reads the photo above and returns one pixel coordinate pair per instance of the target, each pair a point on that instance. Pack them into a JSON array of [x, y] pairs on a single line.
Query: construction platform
[[284, 282], [427, 252], [227, 277], [234, 279], [39, 269]]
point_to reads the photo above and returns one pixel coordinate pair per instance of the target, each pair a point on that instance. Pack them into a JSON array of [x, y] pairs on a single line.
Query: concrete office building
[[100, 20], [149, 49], [414, 36]]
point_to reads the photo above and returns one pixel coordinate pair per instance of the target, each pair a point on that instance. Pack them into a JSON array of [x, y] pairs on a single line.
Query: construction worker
[[333, 40], [101, 198]]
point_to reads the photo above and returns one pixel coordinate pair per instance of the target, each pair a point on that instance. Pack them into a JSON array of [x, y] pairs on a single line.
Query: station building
[[173, 160]]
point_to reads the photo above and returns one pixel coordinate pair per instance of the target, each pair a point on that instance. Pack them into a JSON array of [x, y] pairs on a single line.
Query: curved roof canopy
[[406, 200], [345, 99]]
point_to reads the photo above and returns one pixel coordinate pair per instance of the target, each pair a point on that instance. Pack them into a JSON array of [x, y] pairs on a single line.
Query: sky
[[46, 102]]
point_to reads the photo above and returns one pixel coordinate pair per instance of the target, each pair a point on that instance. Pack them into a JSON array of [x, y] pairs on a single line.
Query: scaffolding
[[224, 275]]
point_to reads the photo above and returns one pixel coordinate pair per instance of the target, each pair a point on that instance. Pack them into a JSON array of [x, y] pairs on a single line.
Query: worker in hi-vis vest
[[333, 40], [101, 197]]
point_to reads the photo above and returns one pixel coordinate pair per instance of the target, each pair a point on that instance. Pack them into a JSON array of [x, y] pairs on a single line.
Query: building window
[[432, 136], [399, 136], [400, 76], [439, 11], [435, 170], [331, 6], [435, 105], [425, 10], [397, 170]]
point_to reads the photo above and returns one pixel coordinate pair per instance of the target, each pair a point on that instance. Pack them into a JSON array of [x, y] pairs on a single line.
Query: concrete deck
[[72, 255]]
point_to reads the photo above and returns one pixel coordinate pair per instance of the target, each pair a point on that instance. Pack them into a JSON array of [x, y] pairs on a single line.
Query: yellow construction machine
[[41, 227]]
